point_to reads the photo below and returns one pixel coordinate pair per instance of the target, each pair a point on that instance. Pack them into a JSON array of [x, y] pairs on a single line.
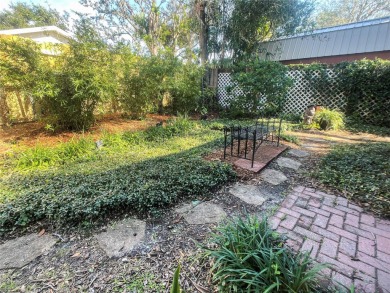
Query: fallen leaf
[[77, 254], [41, 232]]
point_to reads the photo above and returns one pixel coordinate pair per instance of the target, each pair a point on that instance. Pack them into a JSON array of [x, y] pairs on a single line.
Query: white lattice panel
[[224, 97], [299, 96]]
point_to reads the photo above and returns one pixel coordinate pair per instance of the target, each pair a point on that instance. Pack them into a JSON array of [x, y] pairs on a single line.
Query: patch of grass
[[7, 284], [289, 138], [250, 257], [85, 150], [363, 171], [145, 282]]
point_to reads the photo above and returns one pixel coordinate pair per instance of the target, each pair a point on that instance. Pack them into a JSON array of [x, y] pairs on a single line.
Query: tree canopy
[[23, 15], [254, 21], [217, 28], [333, 13]]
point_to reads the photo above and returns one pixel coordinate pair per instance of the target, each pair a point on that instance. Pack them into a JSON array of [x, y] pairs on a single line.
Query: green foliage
[[23, 15], [144, 187], [365, 84], [252, 22], [362, 171], [250, 257], [354, 125], [19, 63], [75, 150], [331, 13], [175, 284], [141, 172], [157, 82], [81, 79], [185, 88], [289, 138], [145, 83], [329, 119], [264, 84], [84, 149]]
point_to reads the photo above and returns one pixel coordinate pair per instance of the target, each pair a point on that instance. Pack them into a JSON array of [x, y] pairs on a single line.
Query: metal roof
[[360, 37]]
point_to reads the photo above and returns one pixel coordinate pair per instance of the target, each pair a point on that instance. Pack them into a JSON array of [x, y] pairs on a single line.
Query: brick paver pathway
[[356, 244]]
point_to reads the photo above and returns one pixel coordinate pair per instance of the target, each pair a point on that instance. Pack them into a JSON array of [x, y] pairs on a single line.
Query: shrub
[[365, 84], [250, 257], [80, 80], [360, 171], [289, 138], [329, 119], [185, 88], [144, 84], [264, 85], [20, 65]]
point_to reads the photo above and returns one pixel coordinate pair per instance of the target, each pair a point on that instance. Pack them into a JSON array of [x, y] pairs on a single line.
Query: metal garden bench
[[263, 130]]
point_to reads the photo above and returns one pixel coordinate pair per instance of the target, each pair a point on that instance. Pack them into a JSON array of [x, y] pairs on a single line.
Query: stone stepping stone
[[288, 163], [273, 177], [298, 153], [203, 213], [316, 139], [17, 253], [248, 193], [122, 237], [309, 146]]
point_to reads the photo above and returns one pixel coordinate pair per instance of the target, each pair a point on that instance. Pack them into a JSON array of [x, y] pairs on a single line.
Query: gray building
[[367, 39]]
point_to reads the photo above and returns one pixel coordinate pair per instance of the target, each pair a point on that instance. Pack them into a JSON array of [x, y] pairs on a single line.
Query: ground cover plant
[[362, 172], [251, 257], [141, 172]]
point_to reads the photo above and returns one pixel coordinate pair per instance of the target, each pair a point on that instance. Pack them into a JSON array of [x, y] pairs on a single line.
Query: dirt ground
[[34, 133]]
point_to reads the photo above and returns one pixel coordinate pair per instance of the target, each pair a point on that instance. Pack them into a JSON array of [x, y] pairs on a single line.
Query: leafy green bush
[[264, 84], [157, 83], [80, 79], [185, 88], [366, 85], [329, 119], [362, 171], [250, 257], [144, 187], [20, 65]]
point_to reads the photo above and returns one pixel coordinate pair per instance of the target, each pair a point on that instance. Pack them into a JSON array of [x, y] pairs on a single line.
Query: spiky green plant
[[250, 257], [329, 119]]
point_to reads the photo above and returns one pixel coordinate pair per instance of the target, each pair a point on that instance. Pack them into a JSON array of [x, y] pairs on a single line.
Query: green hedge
[[365, 84]]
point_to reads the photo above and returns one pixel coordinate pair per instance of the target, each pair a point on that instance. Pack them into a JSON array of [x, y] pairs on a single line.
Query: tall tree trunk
[[4, 109], [203, 36]]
